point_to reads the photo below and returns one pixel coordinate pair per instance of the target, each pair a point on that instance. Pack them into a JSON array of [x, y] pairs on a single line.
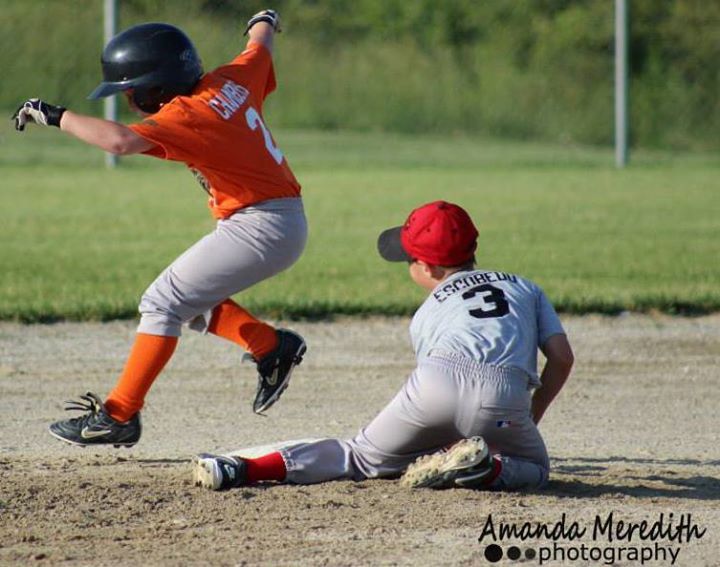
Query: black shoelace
[[89, 403]]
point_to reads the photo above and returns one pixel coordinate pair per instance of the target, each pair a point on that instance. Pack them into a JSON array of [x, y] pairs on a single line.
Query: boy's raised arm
[[262, 27]]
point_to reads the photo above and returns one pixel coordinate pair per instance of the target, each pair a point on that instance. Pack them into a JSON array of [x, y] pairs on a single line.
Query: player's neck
[[447, 273], [429, 276]]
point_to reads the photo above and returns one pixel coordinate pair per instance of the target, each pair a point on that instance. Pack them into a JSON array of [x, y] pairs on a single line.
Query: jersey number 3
[[253, 121], [493, 303]]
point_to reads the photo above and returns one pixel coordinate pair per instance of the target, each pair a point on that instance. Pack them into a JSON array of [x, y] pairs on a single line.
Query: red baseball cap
[[439, 233]]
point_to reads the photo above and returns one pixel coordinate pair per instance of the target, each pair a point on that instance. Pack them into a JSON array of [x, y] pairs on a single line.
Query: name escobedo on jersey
[[471, 280], [230, 98]]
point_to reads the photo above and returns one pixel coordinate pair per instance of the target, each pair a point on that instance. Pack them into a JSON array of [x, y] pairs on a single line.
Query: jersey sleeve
[[548, 321], [254, 69], [173, 133]]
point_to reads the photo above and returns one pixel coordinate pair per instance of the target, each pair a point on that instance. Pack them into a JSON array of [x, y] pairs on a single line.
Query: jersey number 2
[[253, 121], [493, 304]]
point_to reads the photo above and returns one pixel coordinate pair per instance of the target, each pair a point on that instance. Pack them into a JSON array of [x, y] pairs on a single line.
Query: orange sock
[[267, 467], [233, 323], [148, 357]]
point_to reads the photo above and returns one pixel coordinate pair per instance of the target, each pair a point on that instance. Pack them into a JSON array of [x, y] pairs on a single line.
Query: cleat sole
[[203, 474], [441, 470], [83, 445]]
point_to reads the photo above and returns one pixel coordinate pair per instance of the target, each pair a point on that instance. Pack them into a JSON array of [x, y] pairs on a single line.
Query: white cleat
[[218, 473]]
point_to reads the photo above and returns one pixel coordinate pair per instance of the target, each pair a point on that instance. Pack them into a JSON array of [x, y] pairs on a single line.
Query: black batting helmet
[[157, 61]]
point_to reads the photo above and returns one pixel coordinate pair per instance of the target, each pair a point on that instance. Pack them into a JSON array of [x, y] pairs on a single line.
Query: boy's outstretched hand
[[39, 112], [268, 16]]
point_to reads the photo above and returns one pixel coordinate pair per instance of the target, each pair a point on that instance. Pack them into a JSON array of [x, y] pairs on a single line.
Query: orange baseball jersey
[[219, 132]]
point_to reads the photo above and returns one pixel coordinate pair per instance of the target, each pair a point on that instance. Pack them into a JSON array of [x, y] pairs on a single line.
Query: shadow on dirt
[[590, 477]]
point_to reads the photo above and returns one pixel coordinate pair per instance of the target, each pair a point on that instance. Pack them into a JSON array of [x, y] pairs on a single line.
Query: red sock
[[235, 324], [497, 469], [148, 357], [267, 467]]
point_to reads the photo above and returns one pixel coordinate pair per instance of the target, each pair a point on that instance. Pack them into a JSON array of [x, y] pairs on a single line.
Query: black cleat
[[274, 369], [219, 473], [96, 427]]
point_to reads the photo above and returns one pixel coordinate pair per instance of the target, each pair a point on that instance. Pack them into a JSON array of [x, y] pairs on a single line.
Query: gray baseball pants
[[446, 398], [253, 244]]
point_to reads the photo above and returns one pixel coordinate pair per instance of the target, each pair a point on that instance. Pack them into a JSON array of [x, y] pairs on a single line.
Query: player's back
[[220, 133], [489, 316]]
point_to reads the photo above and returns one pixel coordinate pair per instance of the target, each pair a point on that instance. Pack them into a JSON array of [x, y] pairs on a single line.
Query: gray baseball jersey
[[490, 317]]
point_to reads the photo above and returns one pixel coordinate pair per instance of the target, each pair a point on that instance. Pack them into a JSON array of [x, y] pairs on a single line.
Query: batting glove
[[39, 112], [268, 16]]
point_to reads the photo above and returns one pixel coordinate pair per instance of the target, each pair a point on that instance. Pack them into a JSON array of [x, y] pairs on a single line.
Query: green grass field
[[81, 242]]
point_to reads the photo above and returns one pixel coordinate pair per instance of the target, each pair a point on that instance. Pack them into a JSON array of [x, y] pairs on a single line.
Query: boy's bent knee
[[159, 324], [163, 309]]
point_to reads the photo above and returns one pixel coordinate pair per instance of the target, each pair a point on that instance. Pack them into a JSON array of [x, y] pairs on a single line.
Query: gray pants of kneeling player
[[446, 398]]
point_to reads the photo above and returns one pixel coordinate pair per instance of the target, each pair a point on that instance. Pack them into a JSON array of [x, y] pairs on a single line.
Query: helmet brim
[[107, 89], [390, 246]]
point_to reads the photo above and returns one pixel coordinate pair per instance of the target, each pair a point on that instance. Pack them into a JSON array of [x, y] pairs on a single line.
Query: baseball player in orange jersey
[[213, 123]]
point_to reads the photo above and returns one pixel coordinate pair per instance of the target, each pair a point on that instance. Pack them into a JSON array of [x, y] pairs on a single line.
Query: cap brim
[[106, 89], [390, 246]]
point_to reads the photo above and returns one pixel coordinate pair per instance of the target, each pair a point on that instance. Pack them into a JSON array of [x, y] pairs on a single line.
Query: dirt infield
[[635, 434]]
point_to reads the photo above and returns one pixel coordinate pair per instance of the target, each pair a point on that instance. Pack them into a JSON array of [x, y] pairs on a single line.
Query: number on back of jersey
[[490, 301]]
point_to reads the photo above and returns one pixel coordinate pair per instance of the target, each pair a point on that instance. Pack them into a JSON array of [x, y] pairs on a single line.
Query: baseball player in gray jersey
[[467, 415]]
